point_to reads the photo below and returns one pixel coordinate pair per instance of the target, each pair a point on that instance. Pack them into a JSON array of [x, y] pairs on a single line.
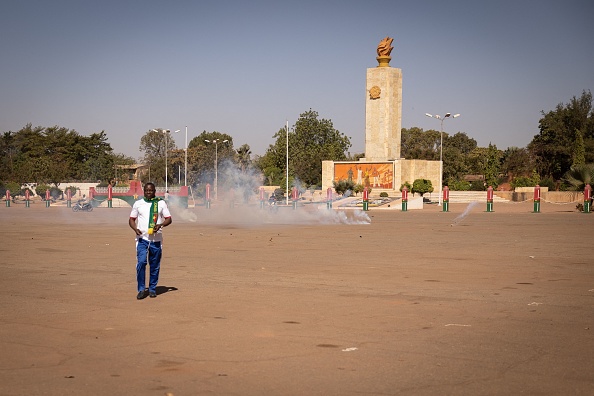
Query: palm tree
[[243, 156], [579, 175]]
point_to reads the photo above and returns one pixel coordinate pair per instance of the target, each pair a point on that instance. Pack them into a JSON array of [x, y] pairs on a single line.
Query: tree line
[[561, 153]]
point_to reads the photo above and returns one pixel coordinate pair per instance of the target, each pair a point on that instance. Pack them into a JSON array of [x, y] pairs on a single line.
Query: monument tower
[[382, 168], [383, 107]]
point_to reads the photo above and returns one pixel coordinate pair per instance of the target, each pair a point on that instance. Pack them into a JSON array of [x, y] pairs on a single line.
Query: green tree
[[312, 141], [54, 154], [244, 157], [486, 161], [492, 166], [208, 147], [554, 147], [154, 144], [579, 149], [419, 144], [517, 162]]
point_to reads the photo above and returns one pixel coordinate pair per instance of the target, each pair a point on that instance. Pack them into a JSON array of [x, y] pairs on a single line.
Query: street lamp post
[[441, 119], [216, 165], [166, 132], [287, 165], [186, 161]]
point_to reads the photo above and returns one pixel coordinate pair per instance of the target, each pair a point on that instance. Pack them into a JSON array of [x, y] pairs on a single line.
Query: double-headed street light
[[166, 132], [186, 160], [442, 119], [216, 166]]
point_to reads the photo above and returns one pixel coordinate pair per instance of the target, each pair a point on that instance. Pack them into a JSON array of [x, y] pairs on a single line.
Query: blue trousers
[[148, 252]]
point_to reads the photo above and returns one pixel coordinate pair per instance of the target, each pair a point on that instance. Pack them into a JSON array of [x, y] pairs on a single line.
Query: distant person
[[148, 217]]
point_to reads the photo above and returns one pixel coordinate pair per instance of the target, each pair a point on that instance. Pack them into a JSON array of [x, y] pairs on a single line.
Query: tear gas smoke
[[464, 214], [239, 203]]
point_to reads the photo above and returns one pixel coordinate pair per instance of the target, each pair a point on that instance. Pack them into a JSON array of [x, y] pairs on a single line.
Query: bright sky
[[246, 67]]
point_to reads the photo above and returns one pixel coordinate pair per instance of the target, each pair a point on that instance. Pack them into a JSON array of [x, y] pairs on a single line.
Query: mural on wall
[[369, 174]]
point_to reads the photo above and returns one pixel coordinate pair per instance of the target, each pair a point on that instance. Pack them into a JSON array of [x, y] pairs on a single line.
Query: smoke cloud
[[239, 204], [461, 217]]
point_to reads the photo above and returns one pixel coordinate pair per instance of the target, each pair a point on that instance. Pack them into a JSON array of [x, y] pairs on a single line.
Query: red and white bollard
[[27, 203], [365, 199], [405, 199], [47, 198], [262, 198], [109, 196], [207, 196], [295, 197], [536, 199], [490, 199], [8, 198], [329, 198], [446, 199]]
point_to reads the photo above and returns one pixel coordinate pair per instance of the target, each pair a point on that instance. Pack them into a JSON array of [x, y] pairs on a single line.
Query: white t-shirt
[[141, 212]]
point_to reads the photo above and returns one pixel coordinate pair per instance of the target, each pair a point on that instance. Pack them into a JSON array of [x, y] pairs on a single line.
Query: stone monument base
[[381, 176]]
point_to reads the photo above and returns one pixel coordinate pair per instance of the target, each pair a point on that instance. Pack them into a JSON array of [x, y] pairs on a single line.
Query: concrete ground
[[305, 302]]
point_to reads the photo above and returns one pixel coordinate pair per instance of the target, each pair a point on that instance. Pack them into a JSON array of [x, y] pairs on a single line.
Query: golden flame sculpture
[[384, 48], [383, 52]]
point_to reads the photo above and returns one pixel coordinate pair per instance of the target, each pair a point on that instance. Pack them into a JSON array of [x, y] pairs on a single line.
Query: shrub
[[358, 188], [384, 194], [55, 192], [525, 181], [422, 186], [343, 186], [14, 188], [41, 189]]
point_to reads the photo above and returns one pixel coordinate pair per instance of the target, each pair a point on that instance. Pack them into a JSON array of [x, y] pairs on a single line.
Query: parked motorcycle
[[84, 206]]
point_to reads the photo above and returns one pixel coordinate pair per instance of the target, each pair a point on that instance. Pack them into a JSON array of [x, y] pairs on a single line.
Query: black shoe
[[152, 294], [141, 295]]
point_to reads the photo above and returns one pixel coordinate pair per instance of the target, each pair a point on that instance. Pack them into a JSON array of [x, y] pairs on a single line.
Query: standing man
[[148, 217]]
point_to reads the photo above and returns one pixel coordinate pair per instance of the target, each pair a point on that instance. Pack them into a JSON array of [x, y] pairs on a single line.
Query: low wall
[[550, 196]]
